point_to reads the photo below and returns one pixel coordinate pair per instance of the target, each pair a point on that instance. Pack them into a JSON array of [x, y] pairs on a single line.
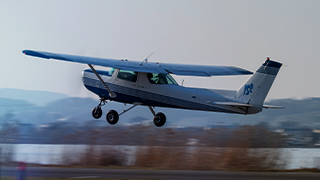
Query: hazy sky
[[239, 33]]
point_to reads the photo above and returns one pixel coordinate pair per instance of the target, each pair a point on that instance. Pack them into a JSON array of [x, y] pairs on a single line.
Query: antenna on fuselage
[[146, 60]]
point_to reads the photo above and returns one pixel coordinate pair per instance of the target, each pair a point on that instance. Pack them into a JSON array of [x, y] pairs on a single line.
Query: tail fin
[[256, 88]]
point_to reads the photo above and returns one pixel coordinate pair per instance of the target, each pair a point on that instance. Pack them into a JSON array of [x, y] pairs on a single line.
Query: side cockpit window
[[111, 71], [127, 75], [160, 78]]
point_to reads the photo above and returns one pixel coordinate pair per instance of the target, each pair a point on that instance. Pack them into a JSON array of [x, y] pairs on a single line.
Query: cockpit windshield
[[160, 78]]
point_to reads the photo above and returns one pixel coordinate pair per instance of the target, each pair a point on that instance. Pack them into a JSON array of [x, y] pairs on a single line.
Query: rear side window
[[127, 75]]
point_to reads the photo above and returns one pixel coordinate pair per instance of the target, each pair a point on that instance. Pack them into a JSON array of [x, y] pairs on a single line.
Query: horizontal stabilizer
[[272, 107], [229, 103]]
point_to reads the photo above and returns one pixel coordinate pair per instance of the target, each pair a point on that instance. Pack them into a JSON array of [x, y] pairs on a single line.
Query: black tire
[[112, 117], [96, 113], [159, 119]]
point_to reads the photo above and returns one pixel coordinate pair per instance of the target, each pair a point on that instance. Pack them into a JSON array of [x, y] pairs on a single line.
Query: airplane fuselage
[[139, 89]]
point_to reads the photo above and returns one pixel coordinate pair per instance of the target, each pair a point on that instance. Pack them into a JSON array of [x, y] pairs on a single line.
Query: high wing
[[150, 67]]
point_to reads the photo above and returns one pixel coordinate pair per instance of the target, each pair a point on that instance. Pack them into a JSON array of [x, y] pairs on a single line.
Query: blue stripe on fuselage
[[124, 95]]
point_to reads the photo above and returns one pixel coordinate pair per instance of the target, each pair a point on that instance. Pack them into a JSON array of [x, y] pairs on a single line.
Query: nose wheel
[[96, 112]]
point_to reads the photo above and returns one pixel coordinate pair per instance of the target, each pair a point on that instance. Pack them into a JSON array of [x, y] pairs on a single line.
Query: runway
[[156, 174]]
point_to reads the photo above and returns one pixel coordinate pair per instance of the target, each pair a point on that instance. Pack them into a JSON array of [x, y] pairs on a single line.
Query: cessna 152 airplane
[[150, 84]]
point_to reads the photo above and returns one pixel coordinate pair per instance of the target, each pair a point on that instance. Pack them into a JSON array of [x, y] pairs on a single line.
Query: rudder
[[256, 88]]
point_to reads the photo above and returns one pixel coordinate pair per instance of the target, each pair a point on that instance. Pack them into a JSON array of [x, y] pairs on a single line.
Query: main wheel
[[96, 112], [159, 119], [112, 117]]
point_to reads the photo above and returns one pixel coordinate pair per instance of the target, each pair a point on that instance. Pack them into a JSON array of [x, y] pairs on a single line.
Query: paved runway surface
[[156, 174]]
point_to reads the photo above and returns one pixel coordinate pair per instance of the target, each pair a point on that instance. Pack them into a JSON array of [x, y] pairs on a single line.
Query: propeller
[[74, 80], [74, 83]]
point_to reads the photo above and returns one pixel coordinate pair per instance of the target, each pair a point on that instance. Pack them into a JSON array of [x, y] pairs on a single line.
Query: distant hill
[[33, 109], [39, 98]]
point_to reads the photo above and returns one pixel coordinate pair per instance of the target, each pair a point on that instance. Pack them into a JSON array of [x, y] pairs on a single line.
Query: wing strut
[[111, 94]]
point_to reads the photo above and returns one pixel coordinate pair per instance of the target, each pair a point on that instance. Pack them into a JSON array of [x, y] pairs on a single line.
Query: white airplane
[[150, 84]]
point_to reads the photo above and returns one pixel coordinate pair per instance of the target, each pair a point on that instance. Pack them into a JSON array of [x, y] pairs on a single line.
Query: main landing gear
[[112, 116], [159, 119]]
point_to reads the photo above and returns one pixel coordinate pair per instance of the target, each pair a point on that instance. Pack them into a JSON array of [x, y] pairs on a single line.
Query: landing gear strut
[[159, 119], [113, 117]]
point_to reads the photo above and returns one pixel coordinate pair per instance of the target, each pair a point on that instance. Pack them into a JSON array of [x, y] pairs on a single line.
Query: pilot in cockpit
[[160, 78], [150, 78]]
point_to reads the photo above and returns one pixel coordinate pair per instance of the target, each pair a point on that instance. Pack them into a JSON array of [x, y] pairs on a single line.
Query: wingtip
[[26, 51], [34, 53]]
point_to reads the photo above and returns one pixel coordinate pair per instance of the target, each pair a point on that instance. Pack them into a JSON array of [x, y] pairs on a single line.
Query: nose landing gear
[[96, 111]]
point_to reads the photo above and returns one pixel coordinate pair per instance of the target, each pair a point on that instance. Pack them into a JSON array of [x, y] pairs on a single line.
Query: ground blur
[[241, 148]]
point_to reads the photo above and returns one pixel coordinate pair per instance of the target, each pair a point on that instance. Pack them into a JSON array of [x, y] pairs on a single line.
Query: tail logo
[[248, 89]]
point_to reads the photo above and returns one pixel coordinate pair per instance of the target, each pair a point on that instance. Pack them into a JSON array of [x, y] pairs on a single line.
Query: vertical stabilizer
[[256, 88]]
